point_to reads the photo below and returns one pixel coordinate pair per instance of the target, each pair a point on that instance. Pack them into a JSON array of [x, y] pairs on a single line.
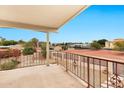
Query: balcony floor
[[38, 77]]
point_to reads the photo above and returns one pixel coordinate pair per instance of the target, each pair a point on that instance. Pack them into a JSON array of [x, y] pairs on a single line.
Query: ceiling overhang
[[44, 18]]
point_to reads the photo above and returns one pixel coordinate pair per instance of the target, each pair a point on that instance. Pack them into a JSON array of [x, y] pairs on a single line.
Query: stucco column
[[47, 49]]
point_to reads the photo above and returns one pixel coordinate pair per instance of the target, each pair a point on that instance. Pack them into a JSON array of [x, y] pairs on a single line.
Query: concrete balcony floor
[[53, 76]]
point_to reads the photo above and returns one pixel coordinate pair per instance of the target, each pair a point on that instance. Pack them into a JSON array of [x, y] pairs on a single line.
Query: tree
[[95, 45], [34, 42], [1, 43], [53, 44], [119, 45], [2, 39], [64, 47], [43, 49], [5, 42], [9, 42], [21, 42], [43, 45], [28, 45], [102, 42]]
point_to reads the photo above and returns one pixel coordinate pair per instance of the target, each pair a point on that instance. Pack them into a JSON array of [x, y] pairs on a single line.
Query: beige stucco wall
[[109, 44]]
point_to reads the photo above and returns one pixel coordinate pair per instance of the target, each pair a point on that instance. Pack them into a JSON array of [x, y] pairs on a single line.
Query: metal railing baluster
[[88, 72]]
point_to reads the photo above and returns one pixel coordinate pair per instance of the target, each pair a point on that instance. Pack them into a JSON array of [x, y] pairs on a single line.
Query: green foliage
[[77, 47], [15, 62], [9, 65], [102, 42], [32, 43], [2, 39], [119, 46], [21, 42], [8, 42], [28, 45], [1, 44], [95, 45], [64, 47], [43, 45], [44, 53], [43, 49], [28, 51]]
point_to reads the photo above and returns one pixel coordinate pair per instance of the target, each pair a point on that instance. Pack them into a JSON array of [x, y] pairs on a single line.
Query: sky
[[96, 22]]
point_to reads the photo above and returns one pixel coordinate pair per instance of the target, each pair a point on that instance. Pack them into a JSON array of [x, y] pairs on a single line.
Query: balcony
[[94, 71], [66, 70]]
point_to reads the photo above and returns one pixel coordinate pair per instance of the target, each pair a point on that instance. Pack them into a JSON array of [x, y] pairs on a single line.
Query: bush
[[64, 47], [32, 43], [43, 49], [28, 51], [16, 62], [95, 46], [44, 53], [119, 46], [9, 65]]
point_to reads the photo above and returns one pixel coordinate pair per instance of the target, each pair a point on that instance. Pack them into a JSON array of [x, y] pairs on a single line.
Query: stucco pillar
[[47, 49]]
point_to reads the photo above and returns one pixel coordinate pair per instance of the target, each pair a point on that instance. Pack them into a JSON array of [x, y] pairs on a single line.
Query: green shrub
[[43, 49], [44, 53], [16, 62], [95, 46], [64, 47], [9, 65], [9, 42], [28, 51], [119, 46]]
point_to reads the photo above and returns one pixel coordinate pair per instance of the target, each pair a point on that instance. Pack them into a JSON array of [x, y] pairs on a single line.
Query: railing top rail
[[101, 58], [95, 57]]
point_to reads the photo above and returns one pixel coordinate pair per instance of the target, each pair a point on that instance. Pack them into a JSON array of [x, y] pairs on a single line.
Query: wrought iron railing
[[20, 60], [94, 71]]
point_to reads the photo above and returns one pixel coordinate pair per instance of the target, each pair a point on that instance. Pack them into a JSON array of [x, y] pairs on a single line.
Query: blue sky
[[97, 22]]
